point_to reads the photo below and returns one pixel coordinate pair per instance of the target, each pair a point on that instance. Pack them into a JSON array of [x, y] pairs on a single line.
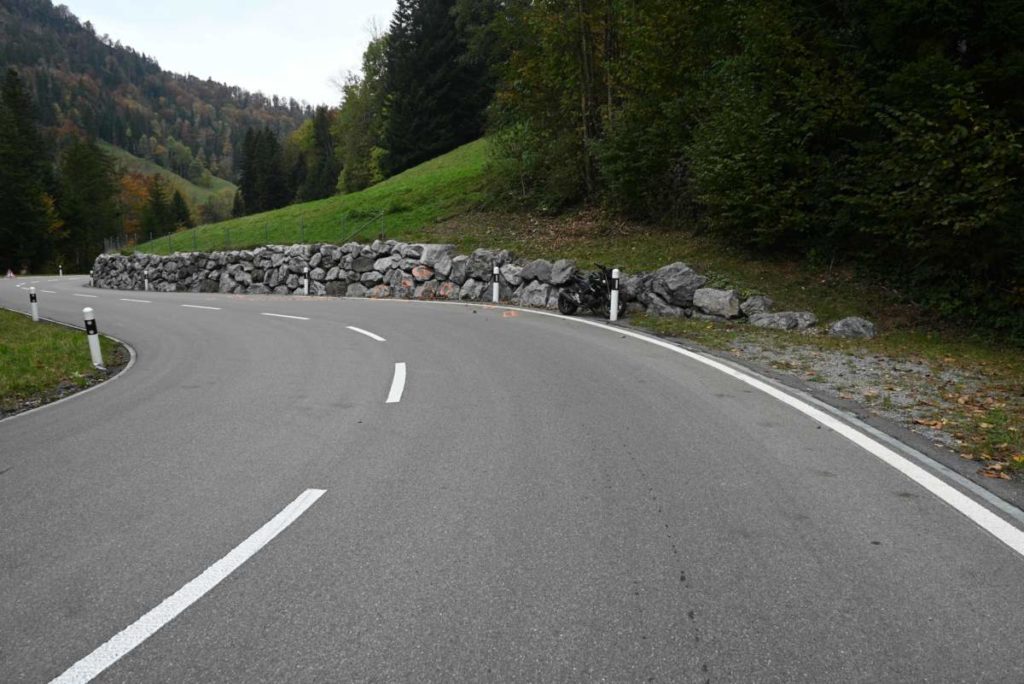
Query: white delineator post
[[60, 271], [305, 280], [92, 334], [35, 305], [495, 290], [613, 315], [145, 274], [92, 280]]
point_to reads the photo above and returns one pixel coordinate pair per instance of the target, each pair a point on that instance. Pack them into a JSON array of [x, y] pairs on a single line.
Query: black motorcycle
[[591, 291]]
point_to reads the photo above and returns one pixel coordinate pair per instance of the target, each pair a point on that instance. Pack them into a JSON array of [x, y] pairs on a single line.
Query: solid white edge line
[[1001, 529], [369, 334], [984, 518], [397, 385], [140, 301], [134, 634], [196, 306], [296, 318]]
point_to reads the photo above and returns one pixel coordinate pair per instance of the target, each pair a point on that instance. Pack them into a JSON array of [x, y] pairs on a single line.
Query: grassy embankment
[[439, 201], [40, 362]]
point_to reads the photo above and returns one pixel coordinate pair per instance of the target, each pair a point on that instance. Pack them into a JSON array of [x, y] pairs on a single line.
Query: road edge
[[132, 356]]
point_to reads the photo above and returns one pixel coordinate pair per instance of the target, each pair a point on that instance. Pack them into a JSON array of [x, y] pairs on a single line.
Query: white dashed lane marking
[[295, 318], [397, 385], [366, 332]]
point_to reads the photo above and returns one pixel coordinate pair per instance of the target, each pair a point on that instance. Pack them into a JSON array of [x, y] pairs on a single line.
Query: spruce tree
[[27, 216], [87, 202], [436, 96], [179, 212]]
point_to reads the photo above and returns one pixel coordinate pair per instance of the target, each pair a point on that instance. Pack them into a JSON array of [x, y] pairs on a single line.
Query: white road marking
[[297, 318], [981, 516], [140, 301], [196, 306], [397, 385], [48, 291], [134, 634], [79, 294], [999, 528], [366, 332]]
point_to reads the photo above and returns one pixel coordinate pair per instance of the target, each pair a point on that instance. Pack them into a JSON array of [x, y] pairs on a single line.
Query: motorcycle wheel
[[566, 304]]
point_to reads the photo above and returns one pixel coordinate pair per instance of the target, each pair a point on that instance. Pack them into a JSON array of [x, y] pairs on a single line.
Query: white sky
[[290, 49]]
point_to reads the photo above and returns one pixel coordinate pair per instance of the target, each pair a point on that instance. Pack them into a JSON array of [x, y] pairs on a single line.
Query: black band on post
[[90, 327], [32, 298]]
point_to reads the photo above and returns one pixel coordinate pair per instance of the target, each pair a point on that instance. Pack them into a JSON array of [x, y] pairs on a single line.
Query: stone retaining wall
[[424, 271]]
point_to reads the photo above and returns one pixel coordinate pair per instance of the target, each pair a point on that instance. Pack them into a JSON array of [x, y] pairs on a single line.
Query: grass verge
[[42, 362]]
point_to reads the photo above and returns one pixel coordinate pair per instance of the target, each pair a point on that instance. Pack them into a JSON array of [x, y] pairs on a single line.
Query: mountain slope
[[89, 84]]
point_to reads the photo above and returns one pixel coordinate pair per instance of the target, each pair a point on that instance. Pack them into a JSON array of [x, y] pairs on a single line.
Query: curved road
[[540, 500]]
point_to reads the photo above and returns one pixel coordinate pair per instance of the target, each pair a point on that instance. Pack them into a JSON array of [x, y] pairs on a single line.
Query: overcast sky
[[292, 49]]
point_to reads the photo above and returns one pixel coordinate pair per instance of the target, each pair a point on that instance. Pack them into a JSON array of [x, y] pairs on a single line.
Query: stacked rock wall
[[422, 271]]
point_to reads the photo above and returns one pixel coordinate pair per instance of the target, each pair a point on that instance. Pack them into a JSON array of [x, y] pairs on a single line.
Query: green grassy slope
[[222, 191], [404, 204]]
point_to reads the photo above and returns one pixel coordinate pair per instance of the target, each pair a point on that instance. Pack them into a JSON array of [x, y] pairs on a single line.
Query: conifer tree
[[435, 95], [27, 216], [87, 202], [179, 213]]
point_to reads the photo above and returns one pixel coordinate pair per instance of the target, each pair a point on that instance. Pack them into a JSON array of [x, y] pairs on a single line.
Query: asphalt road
[[547, 501]]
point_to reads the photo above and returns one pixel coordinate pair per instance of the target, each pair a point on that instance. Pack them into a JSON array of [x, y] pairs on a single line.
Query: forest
[[882, 134]]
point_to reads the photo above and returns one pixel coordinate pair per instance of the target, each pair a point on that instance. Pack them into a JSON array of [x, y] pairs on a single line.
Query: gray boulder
[[562, 271], [460, 268], [372, 278], [631, 287], [784, 320], [473, 289], [512, 274], [676, 283], [715, 302], [432, 253], [336, 288], [333, 274], [317, 275], [535, 293], [481, 264], [756, 304], [355, 290], [363, 263], [538, 269], [443, 266], [412, 252], [385, 264], [853, 328], [656, 306]]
